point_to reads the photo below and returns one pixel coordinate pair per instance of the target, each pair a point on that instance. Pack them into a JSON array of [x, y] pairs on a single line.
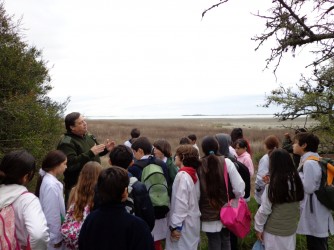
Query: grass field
[[255, 130]]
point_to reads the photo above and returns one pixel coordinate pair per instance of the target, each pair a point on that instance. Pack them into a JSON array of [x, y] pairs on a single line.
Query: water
[[239, 116]]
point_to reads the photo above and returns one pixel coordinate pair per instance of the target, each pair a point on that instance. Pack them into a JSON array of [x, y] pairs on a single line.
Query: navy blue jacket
[[110, 227], [143, 207]]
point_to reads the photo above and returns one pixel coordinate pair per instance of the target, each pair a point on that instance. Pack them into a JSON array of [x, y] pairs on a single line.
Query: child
[[184, 216], [163, 151], [214, 193], [271, 142], [17, 168], [315, 219], [276, 219], [244, 157], [110, 227], [81, 202], [142, 149], [138, 201], [50, 192], [236, 134]]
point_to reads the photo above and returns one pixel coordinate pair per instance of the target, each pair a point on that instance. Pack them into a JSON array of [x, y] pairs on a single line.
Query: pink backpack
[[8, 239], [235, 214]]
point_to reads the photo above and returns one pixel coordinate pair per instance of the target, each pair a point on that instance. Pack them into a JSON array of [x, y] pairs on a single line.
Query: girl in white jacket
[[50, 192], [184, 215], [17, 168]]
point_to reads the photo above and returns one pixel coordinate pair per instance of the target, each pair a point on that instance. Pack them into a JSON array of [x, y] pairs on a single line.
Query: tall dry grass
[[174, 129]]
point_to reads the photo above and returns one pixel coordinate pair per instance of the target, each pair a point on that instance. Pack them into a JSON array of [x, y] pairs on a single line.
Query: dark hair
[[285, 184], [15, 165], [224, 142], [144, 144], [236, 134], [192, 137], [184, 141], [271, 142], [121, 156], [164, 146], [135, 133], [52, 160], [70, 120], [311, 140], [188, 155], [213, 170], [111, 184], [242, 143]]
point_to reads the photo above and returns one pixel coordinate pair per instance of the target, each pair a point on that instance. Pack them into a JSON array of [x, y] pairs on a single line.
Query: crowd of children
[[124, 205]]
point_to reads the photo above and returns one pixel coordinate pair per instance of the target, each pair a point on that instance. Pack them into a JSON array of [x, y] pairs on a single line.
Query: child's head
[[141, 146], [54, 160], [224, 141], [83, 193], [210, 145], [285, 184], [192, 138], [17, 167], [241, 146], [54, 163], [305, 142], [112, 185], [135, 133], [236, 134], [184, 141], [121, 156], [188, 156], [162, 149], [271, 142]]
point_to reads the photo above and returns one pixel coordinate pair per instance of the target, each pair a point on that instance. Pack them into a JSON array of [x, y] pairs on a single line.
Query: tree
[[295, 24], [28, 117], [313, 98]]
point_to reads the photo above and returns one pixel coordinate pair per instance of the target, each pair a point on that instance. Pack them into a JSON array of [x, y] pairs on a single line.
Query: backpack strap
[[312, 158]]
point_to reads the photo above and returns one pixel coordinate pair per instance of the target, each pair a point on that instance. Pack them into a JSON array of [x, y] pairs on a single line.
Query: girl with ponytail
[[213, 192]]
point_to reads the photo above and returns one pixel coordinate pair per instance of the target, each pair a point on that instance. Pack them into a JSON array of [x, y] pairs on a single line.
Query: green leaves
[[28, 117]]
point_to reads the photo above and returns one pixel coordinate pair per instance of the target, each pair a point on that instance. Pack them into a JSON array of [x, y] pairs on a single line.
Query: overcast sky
[[153, 57]]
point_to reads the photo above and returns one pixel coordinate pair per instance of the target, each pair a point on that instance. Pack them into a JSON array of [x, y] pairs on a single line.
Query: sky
[[154, 58]]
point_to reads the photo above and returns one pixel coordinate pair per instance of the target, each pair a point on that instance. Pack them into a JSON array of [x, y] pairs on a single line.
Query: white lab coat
[[52, 201], [185, 211], [319, 223]]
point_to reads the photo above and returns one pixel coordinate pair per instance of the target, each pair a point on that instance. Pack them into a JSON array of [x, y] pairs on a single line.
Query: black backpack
[[244, 173], [325, 193]]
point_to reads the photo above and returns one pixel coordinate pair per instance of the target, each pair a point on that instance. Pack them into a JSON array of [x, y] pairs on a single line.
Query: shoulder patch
[[66, 139]]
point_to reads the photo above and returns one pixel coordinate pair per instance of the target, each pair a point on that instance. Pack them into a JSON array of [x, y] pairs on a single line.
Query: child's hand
[[266, 179], [175, 235], [259, 236]]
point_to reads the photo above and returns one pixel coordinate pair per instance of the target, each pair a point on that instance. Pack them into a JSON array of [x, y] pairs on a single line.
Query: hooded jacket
[[30, 221]]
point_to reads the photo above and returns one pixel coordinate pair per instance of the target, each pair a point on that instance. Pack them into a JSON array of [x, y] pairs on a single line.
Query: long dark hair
[[52, 160], [213, 169], [285, 184], [15, 165]]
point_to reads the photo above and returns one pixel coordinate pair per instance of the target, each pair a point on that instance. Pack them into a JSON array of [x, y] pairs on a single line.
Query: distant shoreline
[[197, 116], [257, 122]]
